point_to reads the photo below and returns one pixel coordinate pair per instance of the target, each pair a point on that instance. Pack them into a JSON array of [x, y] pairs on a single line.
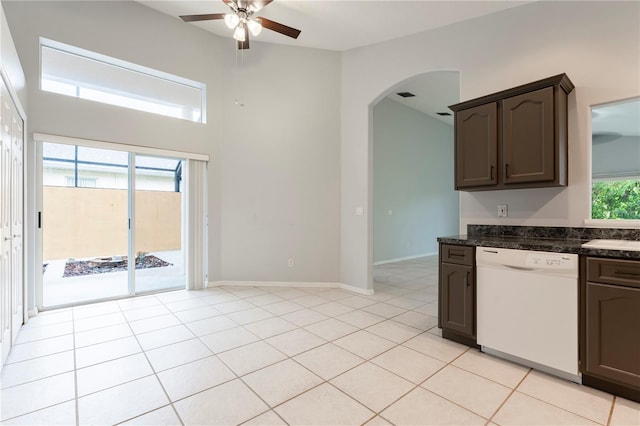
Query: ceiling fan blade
[[257, 5], [204, 17], [231, 3], [279, 28]]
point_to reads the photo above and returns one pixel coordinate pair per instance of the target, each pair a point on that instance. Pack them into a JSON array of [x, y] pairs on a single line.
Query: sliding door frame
[[133, 151]]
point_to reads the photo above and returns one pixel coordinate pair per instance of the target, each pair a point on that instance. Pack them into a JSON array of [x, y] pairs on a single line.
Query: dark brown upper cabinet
[[516, 138], [476, 146]]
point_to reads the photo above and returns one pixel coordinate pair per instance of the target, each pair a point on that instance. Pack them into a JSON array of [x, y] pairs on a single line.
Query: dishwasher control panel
[[549, 260], [526, 260]]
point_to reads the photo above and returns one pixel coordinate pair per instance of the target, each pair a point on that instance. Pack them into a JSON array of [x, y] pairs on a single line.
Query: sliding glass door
[[85, 216], [112, 224], [160, 263]]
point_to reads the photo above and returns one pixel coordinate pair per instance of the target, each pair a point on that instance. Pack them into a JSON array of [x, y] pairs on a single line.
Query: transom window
[[71, 71]]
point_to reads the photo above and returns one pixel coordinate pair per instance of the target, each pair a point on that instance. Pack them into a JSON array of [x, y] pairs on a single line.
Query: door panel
[[17, 231], [477, 146], [5, 241], [159, 252], [613, 321], [528, 142], [85, 224], [457, 298]]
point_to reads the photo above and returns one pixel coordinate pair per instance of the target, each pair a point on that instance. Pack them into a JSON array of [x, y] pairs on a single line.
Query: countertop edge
[[537, 244]]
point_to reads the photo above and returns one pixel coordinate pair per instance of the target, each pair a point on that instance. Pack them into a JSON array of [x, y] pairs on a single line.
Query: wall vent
[[406, 94]]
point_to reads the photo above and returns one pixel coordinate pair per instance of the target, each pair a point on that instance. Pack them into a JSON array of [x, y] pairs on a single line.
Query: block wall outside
[[91, 222]]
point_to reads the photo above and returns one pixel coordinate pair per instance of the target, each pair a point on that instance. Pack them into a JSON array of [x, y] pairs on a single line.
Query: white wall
[[276, 161], [596, 43], [412, 178], [280, 165]]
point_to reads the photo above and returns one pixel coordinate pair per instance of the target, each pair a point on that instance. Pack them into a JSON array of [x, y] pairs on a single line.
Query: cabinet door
[[477, 146], [528, 137], [457, 287], [613, 339]]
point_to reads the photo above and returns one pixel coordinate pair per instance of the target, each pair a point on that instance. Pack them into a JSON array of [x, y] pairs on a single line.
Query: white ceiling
[[434, 91], [342, 24], [346, 24]]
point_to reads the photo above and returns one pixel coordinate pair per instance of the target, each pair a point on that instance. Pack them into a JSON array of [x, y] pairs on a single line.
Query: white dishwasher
[[527, 308]]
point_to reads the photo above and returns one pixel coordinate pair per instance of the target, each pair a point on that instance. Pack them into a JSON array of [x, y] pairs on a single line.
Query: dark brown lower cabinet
[[612, 328], [456, 314]]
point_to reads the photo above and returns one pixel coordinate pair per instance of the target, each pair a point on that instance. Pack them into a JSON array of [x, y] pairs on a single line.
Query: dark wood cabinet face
[[516, 138], [477, 146], [528, 137], [613, 333], [457, 298]]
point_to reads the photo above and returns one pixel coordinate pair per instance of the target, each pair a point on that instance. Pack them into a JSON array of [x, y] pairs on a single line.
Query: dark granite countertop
[[550, 239]]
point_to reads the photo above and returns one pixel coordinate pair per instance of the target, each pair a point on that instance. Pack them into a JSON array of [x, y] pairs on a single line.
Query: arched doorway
[[413, 197]]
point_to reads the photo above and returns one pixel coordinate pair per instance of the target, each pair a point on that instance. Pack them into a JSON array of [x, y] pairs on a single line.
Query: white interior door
[[5, 228], [17, 232]]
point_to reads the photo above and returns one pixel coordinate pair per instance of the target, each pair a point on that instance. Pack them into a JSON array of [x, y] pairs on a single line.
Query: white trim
[[110, 60], [299, 284], [129, 66], [274, 284], [115, 146], [353, 289], [613, 223], [399, 259]]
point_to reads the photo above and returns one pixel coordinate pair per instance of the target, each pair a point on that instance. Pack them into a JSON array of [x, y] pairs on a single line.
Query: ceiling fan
[[242, 21]]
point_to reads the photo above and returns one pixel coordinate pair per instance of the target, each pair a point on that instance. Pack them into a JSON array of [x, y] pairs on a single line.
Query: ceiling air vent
[[406, 94], [443, 113]]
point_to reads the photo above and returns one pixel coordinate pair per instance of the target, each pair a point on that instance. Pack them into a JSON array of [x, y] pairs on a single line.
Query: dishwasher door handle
[[519, 268]]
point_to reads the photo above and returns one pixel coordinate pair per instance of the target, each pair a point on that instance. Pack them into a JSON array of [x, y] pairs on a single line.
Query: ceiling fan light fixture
[[240, 33], [231, 20], [254, 26]]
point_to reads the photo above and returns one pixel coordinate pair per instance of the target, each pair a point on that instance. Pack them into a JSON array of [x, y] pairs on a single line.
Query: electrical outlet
[[502, 210], [290, 263]]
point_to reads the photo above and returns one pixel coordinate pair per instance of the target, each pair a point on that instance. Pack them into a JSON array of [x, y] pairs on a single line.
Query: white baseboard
[[353, 289], [274, 284], [400, 259], [292, 284]]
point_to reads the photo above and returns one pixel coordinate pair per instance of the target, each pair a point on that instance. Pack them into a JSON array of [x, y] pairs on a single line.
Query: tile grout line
[[613, 404], [75, 368], [513, 390]]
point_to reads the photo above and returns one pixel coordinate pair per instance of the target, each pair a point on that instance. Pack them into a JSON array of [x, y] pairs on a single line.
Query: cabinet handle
[[466, 280], [451, 254], [491, 173], [506, 170]]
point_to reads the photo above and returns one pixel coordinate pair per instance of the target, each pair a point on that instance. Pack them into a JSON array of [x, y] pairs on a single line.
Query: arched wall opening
[[412, 198]]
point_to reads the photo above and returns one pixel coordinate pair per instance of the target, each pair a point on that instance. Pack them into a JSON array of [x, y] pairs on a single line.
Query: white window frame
[[129, 66]]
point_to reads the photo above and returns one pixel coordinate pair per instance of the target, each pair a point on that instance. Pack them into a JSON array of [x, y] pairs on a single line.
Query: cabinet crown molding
[[560, 80]]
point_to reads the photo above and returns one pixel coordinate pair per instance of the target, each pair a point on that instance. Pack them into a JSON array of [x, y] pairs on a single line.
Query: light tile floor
[[275, 355]]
